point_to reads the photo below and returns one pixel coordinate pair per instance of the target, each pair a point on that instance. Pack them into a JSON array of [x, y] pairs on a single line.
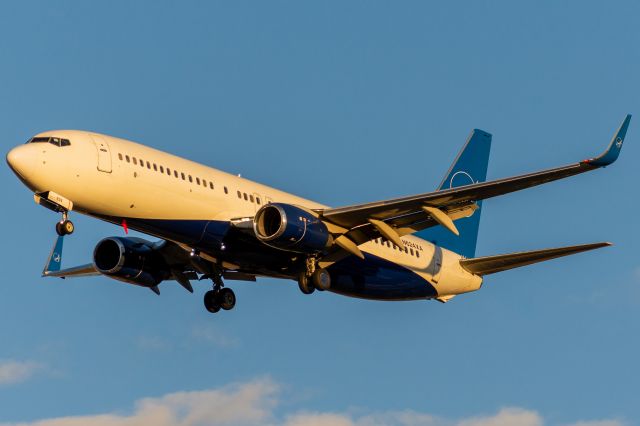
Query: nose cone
[[20, 159]]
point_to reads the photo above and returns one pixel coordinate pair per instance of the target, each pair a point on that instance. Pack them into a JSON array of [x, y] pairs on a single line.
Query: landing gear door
[[104, 153]]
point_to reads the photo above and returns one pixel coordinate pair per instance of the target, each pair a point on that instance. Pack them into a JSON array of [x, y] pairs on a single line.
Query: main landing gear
[[220, 297], [313, 278], [65, 226]]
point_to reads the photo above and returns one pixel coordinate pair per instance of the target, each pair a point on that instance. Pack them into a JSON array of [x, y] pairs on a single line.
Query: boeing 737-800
[[217, 226]]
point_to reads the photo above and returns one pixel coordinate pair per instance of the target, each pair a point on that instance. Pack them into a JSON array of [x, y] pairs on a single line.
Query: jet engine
[[291, 228], [132, 260]]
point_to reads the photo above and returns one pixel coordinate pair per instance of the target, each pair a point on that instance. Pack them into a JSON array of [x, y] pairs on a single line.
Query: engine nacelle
[[132, 260], [290, 228]]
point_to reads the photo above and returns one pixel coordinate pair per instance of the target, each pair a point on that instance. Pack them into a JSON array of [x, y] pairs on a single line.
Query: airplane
[[217, 226]]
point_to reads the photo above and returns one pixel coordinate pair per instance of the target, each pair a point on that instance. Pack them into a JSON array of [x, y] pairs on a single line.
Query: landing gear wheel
[[65, 227], [68, 227], [227, 299], [321, 279], [211, 301], [305, 284]]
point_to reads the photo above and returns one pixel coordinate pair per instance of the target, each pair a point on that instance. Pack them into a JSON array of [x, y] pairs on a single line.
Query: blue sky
[[342, 102]]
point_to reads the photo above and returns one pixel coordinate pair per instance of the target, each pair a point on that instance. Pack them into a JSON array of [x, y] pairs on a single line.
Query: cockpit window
[[53, 141], [39, 139]]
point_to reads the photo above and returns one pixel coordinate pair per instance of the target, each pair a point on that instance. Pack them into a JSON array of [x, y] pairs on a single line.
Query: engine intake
[[132, 260], [291, 228]]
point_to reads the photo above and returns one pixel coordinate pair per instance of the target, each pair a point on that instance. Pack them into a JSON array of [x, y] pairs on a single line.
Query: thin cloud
[[506, 417], [235, 405], [151, 343], [12, 372], [256, 402], [599, 423], [210, 334]]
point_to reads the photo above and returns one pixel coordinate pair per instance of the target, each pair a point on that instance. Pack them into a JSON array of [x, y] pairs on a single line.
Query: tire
[[305, 284], [321, 279], [211, 301], [59, 229], [227, 299]]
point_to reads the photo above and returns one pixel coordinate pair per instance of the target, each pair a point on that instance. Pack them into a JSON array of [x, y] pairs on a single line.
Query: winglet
[[613, 151], [55, 258]]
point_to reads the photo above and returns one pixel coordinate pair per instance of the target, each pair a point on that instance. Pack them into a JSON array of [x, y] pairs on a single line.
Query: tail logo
[[619, 142], [56, 257], [461, 178]]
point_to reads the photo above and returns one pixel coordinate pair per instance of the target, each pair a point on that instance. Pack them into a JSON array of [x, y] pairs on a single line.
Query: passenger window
[[251, 198], [135, 162], [120, 156], [258, 200], [155, 167], [148, 165], [211, 185], [141, 162], [417, 254], [175, 173], [198, 180], [411, 250], [128, 158], [168, 171], [245, 196], [226, 191], [240, 195], [190, 179], [161, 169]]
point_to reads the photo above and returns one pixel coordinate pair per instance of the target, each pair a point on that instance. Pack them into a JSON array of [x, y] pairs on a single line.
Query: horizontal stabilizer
[[492, 264]]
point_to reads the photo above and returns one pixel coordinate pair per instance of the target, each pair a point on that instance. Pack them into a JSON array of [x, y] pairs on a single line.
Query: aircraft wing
[[87, 270], [182, 270], [52, 268], [411, 214]]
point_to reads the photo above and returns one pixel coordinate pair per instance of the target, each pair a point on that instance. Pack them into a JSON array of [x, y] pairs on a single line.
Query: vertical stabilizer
[[470, 166]]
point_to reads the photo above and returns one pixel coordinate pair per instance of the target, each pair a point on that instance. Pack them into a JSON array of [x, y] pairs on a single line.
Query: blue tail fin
[[470, 166]]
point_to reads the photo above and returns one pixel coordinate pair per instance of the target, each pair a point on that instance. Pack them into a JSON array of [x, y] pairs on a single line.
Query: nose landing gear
[[65, 226]]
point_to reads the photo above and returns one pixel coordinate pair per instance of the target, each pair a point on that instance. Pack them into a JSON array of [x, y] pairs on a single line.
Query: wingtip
[[54, 261], [615, 146]]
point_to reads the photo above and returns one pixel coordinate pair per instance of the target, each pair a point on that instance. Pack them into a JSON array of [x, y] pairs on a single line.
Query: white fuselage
[[105, 176]]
